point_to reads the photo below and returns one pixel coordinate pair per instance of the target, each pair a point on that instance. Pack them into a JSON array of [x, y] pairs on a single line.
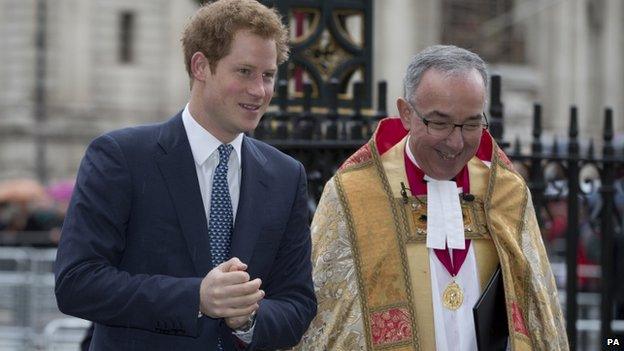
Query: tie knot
[[224, 152]]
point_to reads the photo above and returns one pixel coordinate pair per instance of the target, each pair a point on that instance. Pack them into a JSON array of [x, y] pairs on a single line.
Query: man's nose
[[455, 140], [256, 88]]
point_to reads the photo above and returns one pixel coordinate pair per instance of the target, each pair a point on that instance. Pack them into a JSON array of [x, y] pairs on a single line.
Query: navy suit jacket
[[134, 246]]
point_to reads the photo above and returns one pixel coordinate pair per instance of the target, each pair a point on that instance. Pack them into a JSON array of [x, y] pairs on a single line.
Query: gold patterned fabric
[[338, 324], [370, 268]]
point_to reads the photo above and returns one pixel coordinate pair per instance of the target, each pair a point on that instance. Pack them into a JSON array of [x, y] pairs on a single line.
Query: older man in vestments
[[412, 227]]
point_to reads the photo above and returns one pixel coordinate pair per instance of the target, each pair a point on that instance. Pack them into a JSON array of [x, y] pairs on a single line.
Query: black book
[[490, 316]]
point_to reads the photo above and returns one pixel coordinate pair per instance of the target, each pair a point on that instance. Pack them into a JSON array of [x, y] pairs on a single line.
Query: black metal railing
[[321, 138], [581, 203]]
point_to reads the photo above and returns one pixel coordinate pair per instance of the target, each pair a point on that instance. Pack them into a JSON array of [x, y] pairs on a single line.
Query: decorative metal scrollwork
[[330, 40]]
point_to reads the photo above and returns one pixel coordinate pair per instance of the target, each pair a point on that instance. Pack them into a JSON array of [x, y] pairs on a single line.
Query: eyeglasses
[[441, 129]]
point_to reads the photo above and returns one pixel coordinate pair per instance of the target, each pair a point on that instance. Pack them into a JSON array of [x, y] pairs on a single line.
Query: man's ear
[[405, 112], [200, 67]]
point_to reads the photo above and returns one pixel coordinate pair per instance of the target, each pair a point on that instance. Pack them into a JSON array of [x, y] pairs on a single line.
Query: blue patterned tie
[[221, 218]]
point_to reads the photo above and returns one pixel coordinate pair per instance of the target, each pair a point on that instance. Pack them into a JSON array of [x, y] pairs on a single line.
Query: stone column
[[17, 79], [613, 73], [401, 29], [561, 37]]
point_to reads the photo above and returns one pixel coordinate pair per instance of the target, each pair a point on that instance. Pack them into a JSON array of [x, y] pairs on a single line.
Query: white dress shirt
[[454, 330], [204, 147]]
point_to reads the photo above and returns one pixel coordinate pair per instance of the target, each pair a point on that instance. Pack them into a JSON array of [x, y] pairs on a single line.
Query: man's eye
[[244, 71], [472, 126], [438, 125], [269, 75]]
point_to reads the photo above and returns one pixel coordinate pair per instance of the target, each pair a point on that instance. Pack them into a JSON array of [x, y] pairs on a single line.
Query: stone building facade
[[115, 63]]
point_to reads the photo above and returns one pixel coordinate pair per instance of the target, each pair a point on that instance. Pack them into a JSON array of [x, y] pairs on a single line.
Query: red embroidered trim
[[361, 155], [518, 321], [390, 326], [505, 159]]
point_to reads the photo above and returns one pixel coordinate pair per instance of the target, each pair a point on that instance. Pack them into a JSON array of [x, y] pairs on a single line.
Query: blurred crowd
[[28, 206], [555, 227]]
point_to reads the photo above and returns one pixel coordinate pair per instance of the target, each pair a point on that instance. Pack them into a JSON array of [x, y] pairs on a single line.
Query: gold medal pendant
[[453, 296]]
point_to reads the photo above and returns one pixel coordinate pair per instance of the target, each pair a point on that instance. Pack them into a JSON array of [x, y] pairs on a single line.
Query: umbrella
[[22, 190], [61, 191]]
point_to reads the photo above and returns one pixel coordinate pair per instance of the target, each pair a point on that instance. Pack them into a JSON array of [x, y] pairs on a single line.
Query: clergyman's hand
[[226, 291]]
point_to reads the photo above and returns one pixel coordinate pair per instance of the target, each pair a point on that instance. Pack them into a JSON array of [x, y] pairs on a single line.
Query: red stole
[[418, 186]]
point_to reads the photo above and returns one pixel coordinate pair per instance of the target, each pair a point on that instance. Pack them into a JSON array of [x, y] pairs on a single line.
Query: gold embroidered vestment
[[371, 271]]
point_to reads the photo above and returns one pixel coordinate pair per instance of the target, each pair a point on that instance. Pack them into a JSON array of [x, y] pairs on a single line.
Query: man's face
[[457, 98], [237, 93]]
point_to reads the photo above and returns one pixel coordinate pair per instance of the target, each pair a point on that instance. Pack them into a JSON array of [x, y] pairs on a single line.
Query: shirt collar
[[203, 144], [409, 153], [462, 178]]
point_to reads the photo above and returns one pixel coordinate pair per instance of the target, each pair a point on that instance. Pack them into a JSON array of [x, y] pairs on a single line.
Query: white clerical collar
[[203, 143], [445, 224]]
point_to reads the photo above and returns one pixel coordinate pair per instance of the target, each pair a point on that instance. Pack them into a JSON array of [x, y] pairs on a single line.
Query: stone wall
[[573, 49]]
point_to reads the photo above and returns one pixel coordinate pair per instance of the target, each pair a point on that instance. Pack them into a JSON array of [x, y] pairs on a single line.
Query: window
[[126, 37]]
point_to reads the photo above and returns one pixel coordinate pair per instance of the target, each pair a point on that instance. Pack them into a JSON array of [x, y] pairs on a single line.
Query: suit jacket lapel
[[178, 170], [253, 192]]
